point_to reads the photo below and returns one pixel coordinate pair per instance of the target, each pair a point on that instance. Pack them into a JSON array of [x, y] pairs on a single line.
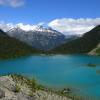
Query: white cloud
[[65, 25], [6, 27], [12, 3], [74, 26], [1, 2]]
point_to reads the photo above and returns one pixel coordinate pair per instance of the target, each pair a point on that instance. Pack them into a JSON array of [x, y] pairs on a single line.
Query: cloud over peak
[[74, 26], [12, 3], [26, 27], [67, 26]]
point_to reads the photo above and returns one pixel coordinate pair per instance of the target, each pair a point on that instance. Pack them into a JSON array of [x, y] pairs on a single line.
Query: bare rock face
[[40, 38], [7, 82], [2, 93], [23, 96], [8, 90]]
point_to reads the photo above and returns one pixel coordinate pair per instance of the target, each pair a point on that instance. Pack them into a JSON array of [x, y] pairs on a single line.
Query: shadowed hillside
[[11, 47], [83, 44]]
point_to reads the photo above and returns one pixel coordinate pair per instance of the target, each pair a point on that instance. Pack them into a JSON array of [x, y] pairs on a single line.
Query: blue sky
[[66, 16], [34, 11]]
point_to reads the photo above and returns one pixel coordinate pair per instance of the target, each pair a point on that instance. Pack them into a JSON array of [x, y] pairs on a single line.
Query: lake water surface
[[59, 71]]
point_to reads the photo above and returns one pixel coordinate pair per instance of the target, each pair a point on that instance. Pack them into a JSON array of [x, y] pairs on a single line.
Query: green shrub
[[30, 93], [32, 84], [17, 88]]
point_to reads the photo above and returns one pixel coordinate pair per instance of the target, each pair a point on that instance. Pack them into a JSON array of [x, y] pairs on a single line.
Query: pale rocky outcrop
[[8, 88], [93, 52]]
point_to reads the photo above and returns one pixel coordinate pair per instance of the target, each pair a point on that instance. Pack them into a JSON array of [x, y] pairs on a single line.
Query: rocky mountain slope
[[40, 37]]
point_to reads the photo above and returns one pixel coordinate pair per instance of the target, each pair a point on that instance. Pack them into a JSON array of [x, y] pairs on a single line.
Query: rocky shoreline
[[14, 87]]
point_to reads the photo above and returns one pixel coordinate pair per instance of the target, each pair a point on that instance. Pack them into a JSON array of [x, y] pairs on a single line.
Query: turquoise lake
[[59, 71]]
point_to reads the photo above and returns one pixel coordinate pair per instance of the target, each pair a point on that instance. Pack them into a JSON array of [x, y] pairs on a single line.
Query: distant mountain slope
[[84, 44], [11, 47], [41, 37]]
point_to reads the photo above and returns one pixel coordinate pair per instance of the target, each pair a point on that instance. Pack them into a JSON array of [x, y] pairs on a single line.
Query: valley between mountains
[[18, 42]]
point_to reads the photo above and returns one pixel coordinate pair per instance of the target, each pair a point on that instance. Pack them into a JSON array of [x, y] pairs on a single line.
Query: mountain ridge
[[11, 47], [41, 38], [84, 44]]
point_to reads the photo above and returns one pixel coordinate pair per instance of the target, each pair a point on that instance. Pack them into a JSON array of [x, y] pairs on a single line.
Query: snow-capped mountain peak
[[39, 36], [48, 31], [40, 28], [34, 28]]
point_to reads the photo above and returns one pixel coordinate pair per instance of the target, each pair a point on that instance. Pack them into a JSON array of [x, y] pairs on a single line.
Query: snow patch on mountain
[[39, 36]]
